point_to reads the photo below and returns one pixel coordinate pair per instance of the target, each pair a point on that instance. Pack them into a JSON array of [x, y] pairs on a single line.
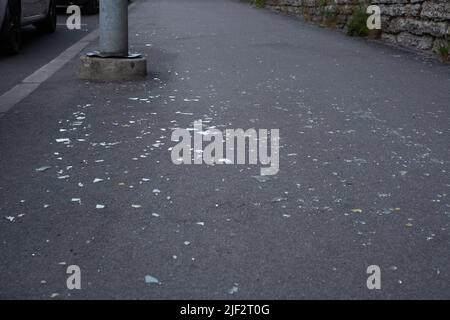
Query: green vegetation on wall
[[357, 25], [329, 16], [259, 3], [444, 50]]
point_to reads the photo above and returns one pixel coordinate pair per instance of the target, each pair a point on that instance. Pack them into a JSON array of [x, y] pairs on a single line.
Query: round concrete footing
[[113, 69]]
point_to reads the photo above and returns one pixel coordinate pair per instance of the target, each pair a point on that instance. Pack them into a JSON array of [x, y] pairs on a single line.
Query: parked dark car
[[88, 6], [14, 14]]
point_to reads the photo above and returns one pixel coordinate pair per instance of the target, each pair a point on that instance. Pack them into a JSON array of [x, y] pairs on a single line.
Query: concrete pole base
[[113, 69]]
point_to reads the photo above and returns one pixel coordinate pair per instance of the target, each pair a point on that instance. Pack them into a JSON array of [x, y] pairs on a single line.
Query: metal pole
[[114, 28]]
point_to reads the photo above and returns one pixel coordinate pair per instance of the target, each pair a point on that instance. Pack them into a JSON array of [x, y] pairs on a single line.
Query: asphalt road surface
[[363, 179]]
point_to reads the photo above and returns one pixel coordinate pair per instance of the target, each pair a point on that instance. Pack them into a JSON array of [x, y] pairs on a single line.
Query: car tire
[[11, 33], [48, 25], [91, 7]]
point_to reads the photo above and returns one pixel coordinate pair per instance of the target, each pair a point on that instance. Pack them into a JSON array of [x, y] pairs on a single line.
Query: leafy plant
[[259, 3], [357, 25], [444, 50], [330, 16]]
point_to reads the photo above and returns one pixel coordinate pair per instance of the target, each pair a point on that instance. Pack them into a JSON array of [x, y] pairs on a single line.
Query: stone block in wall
[[389, 38], [437, 29], [399, 10], [436, 10], [392, 10], [310, 3], [346, 9], [419, 42], [390, 1], [417, 27]]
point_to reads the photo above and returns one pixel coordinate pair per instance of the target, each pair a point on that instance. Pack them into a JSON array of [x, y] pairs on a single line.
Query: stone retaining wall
[[419, 24]]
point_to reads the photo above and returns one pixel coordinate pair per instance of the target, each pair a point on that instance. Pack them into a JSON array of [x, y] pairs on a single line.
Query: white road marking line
[[15, 95]]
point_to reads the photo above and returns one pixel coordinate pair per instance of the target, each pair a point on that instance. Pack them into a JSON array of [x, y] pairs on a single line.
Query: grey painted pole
[[114, 28], [113, 62]]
